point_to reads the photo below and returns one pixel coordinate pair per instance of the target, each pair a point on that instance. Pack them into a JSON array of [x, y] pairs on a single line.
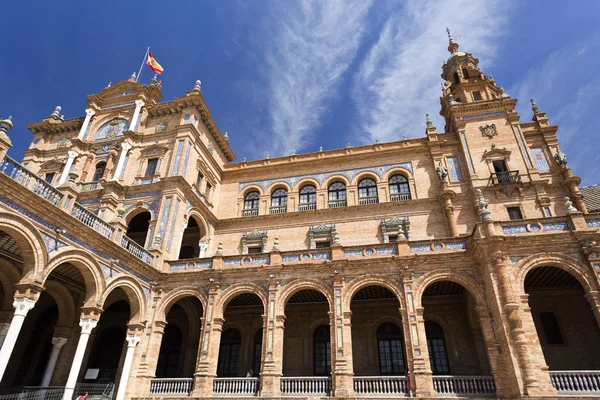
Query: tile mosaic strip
[[593, 223], [555, 226], [454, 169], [523, 147], [496, 114], [51, 243], [514, 229], [173, 220], [353, 253], [142, 194], [465, 146], [177, 157], [350, 173], [186, 160], [386, 251], [420, 248], [456, 245]]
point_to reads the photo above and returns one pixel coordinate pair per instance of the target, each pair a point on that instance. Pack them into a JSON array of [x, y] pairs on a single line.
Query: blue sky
[[283, 76]]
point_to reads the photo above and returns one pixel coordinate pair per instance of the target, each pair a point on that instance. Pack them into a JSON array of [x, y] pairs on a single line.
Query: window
[[279, 198], [229, 353], [254, 250], [514, 213], [465, 73], [393, 238], [323, 245], [367, 188], [399, 189], [99, 173], [207, 191], [337, 191], [50, 177], [456, 78], [34, 144], [547, 212], [551, 328], [151, 167], [308, 194], [437, 348], [199, 179], [476, 96], [322, 351], [251, 201], [391, 352]]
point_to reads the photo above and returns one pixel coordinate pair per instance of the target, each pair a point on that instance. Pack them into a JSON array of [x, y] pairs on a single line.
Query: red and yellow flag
[[154, 65]]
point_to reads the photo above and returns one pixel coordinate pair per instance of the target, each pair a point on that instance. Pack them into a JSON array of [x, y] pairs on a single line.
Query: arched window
[[100, 168], [138, 228], [399, 189], [279, 201], [322, 351], [391, 351], [367, 191], [337, 195], [437, 348], [251, 203], [229, 353], [308, 198]]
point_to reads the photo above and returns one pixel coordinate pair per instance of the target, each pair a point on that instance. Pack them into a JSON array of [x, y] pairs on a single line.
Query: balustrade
[[250, 212], [31, 181], [307, 206], [238, 386], [319, 385], [171, 386], [278, 210], [400, 196], [464, 385], [337, 203], [576, 381], [368, 200], [504, 178], [92, 220], [88, 186], [380, 385], [139, 251]]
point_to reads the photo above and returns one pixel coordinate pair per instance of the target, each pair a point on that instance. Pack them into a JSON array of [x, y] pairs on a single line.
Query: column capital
[[133, 340], [126, 146], [72, 153], [90, 112], [58, 342], [87, 325], [23, 305], [139, 103]]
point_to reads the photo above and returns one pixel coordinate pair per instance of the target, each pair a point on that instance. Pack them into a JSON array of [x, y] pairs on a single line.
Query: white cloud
[[313, 44], [399, 80]]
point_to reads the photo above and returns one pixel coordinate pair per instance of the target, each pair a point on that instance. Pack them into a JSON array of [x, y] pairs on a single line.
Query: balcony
[[89, 186], [160, 387], [464, 385], [307, 206], [235, 386], [504, 178], [369, 385], [400, 196], [306, 386], [250, 212], [576, 382], [368, 200], [278, 210], [337, 203]]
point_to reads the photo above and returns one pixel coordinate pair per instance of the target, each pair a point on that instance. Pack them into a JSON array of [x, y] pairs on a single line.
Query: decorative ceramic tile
[[420, 248], [438, 247], [369, 252], [465, 146], [556, 226], [89, 201], [514, 229], [516, 259], [265, 260], [522, 146], [165, 217], [535, 228], [539, 157], [454, 169], [232, 262], [173, 220], [353, 253], [51, 243], [142, 194], [386, 251], [177, 157], [177, 267], [321, 256], [456, 245], [116, 105], [291, 258], [187, 157], [593, 223], [496, 114]]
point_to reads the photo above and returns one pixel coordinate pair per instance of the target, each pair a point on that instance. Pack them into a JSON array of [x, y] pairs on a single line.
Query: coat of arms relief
[[488, 130]]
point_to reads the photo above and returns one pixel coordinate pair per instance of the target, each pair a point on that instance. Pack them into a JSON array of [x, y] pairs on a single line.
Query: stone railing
[[88, 186], [278, 210], [307, 206], [337, 203], [92, 220], [250, 212], [317, 385], [464, 385], [567, 382], [171, 387], [139, 251], [400, 196], [237, 386], [368, 200], [380, 385], [31, 181]]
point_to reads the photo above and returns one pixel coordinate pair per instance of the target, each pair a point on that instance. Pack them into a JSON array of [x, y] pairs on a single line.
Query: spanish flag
[[154, 65]]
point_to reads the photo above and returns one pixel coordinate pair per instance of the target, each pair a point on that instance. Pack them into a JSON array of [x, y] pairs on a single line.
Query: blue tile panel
[[177, 157], [593, 223], [420, 248], [387, 251], [353, 253], [523, 147], [207, 264], [465, 146], [456, 245], [165, 217], [454, 169], [51, 243], [514, 229], [143, 194], [187, 157], [350, 174], [539, 157], [173, 220], [555, 226], [323, 255], [496, 114]]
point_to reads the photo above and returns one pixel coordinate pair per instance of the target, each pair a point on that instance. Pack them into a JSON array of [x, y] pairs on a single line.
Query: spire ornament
[[534, 107], [133, 77], [428, 122], [484, 213], [226, 136], [56, 113], [154, 80], [453, 46], [197, 86], [6, 124]]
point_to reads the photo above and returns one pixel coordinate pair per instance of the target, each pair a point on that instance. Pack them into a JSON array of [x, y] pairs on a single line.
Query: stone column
[[65, 173], [422, 383], [206, 368], [132, 341], [136, 115], [593, 297], [272, 352], [3, 331], [341, 349], [89, 113], [22, 307], [86, 167], [87, 325], [125, 147], [57, 345], [203, 246], [447, 196]]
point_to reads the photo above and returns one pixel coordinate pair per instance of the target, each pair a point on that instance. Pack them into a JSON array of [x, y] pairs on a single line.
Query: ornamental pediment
[[52, 164], [496, 153], [156, 150]]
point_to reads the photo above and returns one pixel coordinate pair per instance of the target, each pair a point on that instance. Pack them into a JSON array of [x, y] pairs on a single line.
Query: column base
[[343, 385], [203, 386], [270, 385]]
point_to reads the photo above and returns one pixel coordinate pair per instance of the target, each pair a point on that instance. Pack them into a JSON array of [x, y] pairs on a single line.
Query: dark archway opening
[[137, 229]]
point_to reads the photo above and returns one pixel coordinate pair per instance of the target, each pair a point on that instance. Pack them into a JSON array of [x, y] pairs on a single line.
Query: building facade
[[138, 260]]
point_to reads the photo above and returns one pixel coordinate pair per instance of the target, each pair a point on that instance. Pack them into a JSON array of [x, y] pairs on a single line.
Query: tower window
[[456, 77], [50, 177], [99, 173], [476, 96], [151, 167], [323, 245], [514, 213], [255, 250], [465, 73], [551, 328], [393, 238]]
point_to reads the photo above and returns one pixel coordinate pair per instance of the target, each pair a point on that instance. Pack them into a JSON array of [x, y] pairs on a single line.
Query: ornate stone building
[[138, 260]]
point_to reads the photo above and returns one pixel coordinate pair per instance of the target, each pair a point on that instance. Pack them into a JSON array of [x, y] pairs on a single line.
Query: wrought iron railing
[[31, 181], [380, 385], [319, 385], [88, 186], [464, 385], [278, 210], [139, 251], [307, 206], [171, 386], [567, 382], [400, 196], [368, 200], [237, 386], [92, 220], [337, 203], [250, 212], [504, 178]]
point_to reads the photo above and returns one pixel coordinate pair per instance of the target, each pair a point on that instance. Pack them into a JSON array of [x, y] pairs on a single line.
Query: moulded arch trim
[[178, 294], [237, 326], [462, 279], [9, 277], [279, 185], [200, 219], [131, 214], [372, 280], [30, 241], [318, 323], [135, 296], [306, 181], [334, 178], [99, 123], [398, 171], [64, 301], [87, 265], [252, 188], [302, 284], [234, 290], [385, 319], [558, 260], [366, 174]]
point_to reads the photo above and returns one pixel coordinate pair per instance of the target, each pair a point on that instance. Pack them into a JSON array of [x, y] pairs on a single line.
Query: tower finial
[[428, 122], [453, 46], [534, 107]]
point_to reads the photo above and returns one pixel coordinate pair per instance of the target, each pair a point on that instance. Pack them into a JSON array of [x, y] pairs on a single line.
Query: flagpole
[[142, 66]]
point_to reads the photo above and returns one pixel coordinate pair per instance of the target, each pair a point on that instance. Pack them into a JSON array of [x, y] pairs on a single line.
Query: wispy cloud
[[313, 44], [399, 80]]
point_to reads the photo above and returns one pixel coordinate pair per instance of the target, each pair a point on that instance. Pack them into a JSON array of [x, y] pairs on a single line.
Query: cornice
[[56, 126]]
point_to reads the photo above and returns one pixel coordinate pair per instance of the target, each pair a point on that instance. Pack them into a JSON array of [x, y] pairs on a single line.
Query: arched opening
[[190, 241], [337, 194], [137, 229], [99, 172], [279, 199], [180, 341], [399, 188], [378, 346], [566, 327], [308, 198], [367, 191], [307, 327], [242, 315], [452, 308], [251, 202]]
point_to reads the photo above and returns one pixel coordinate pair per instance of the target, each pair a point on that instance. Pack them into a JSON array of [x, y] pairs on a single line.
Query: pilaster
[[343, 374], [272, 355]]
